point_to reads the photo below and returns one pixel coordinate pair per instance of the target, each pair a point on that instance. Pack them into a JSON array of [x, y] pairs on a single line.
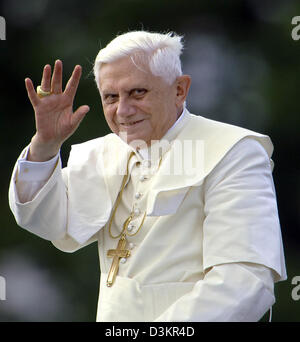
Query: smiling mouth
[[130, 124]]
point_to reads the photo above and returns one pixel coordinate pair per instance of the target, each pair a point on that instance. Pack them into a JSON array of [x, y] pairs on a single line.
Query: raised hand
[[54, 116]]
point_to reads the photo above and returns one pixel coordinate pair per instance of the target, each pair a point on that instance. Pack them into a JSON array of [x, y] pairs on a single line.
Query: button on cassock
[[137, 211], [130, 227], [131, 245], [138, 195]]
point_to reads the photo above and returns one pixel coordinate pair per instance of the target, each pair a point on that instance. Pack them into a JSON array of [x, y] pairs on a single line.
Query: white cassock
[[210, 248]]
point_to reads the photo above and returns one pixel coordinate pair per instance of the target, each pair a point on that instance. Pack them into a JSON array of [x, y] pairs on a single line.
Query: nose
[[125, 108]]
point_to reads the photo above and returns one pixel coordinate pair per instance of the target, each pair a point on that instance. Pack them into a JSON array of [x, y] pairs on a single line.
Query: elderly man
[[176, 242]]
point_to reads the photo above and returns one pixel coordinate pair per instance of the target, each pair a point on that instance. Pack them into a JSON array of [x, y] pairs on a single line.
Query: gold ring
[[41, 92]]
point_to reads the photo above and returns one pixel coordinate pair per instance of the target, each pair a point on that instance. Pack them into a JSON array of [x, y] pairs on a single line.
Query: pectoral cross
[[116, 254]]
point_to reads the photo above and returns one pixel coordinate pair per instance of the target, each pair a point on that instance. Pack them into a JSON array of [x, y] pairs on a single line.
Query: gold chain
[[126, 223], [124, 230]]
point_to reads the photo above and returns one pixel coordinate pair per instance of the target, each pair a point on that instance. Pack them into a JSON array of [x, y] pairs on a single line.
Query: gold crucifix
[[116, 254]]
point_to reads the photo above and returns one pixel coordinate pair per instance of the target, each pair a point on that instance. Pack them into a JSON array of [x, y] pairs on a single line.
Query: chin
[[134, 140]]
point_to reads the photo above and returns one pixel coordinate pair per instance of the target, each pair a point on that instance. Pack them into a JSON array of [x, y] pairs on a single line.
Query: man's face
[[135, 102]]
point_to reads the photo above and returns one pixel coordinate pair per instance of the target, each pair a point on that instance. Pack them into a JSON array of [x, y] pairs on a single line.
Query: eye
[[110, 98], [138, 92]]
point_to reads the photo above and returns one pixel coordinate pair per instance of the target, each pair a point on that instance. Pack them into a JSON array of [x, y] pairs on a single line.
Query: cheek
[[159, 105], [109, 117]]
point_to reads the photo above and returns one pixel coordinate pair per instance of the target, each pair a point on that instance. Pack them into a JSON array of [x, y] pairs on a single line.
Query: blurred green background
[[245, 68]]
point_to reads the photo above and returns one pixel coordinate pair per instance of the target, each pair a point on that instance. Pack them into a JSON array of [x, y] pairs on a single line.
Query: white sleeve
[[43, 211], [241, 216], [242, 250], [236, 292], [32, 176]]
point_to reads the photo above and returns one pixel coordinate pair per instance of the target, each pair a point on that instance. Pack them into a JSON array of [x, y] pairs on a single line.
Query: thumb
[[79, 115]]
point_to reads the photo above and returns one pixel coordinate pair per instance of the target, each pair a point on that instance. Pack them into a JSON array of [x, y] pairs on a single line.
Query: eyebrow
[[106, 93]]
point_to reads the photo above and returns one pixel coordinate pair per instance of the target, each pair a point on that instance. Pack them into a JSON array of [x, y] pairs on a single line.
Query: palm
[[54, 116]]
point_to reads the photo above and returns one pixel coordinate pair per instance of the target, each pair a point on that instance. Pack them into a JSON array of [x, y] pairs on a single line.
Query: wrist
[[40, 151]]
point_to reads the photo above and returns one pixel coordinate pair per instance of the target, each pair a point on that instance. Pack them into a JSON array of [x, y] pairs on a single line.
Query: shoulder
[[218, 139], [90, 149], [214, 127], [247, 152], [96, 143], [220, 136]]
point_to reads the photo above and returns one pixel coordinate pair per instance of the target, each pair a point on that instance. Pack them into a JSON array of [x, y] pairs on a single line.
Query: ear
[[183, 84]]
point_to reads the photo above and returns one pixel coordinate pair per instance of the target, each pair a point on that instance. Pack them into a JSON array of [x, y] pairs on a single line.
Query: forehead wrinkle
[[124, 85], [114, 79]]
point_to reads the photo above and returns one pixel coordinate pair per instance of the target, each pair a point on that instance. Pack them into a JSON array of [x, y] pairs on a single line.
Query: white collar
[[171, 134]]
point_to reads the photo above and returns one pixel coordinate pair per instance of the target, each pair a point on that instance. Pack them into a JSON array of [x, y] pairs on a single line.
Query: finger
[[45, 83], [34, 99], [56, 82], [73, 82], [79, 115]]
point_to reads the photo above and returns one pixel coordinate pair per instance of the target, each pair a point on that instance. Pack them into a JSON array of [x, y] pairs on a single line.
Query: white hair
[[161, 52]]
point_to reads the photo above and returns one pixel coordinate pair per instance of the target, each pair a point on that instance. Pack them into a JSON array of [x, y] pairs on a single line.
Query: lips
[[132, 123]]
